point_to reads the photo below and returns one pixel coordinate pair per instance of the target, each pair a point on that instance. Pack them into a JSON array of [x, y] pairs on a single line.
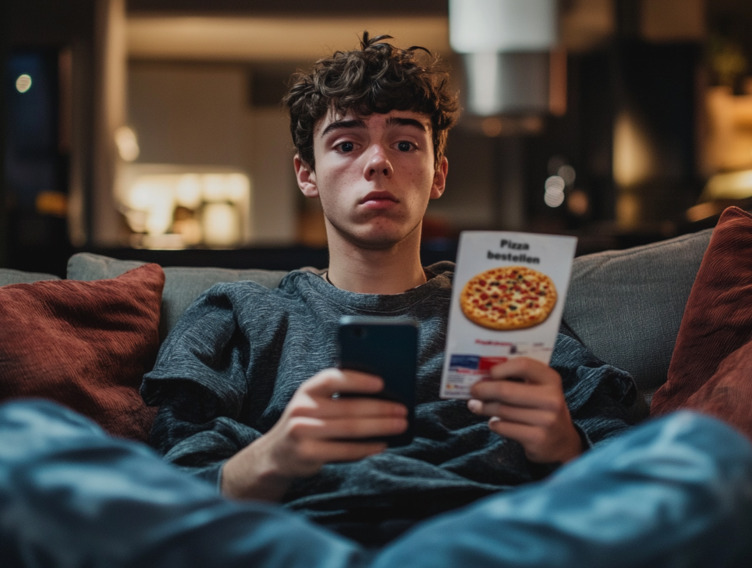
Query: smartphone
[[388, 348]]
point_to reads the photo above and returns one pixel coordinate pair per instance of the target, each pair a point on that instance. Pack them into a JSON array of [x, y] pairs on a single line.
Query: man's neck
[[391, 271]]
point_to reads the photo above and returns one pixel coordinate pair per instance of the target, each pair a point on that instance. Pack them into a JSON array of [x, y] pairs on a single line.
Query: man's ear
[[439, 179], [306, 177]]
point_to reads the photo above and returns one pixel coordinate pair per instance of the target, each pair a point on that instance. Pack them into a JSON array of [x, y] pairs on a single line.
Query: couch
[[626, 305]]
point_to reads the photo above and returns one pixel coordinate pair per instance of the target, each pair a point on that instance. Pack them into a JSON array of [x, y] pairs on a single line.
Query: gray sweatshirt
[[226, 372]]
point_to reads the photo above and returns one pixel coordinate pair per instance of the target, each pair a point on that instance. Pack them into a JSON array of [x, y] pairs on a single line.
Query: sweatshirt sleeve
[[603, 400], [199, 384]]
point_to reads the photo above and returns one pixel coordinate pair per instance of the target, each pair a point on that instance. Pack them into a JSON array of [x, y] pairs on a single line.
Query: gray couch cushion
[[626, 306], [182, 284], [13, 276]]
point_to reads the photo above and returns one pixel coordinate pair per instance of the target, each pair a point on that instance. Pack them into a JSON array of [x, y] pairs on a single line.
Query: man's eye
[[346, 146], [405, 146]]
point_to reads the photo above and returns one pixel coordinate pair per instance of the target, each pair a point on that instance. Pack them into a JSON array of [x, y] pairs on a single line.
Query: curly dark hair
[[377, 78]]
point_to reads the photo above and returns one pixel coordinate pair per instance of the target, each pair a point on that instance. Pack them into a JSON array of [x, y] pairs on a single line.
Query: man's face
[[374, 176]]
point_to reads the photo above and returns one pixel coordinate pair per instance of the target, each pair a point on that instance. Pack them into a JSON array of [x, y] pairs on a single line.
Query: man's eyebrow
[[404, 121], [360, 123], [351, 123]]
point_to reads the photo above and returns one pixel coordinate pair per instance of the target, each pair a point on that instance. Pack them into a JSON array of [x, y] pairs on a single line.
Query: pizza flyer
[[507, 300]]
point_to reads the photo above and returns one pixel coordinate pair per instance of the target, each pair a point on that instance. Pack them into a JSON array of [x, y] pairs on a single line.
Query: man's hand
[[525, 402], [316, 428]]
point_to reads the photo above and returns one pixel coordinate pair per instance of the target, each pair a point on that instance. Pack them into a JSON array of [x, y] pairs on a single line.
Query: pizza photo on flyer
[[508, 297]]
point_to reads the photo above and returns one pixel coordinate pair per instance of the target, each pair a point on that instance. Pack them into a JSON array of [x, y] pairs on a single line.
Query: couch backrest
[[627, 305], [13, 276], [182, 284]]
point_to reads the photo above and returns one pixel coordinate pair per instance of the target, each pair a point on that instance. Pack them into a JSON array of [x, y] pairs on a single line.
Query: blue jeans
[[672, 492]]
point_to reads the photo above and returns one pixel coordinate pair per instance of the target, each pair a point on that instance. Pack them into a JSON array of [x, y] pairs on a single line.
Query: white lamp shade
[[499, 83], [485, 26]]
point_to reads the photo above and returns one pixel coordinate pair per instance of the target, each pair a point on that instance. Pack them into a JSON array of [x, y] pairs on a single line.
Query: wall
[[200, 114]]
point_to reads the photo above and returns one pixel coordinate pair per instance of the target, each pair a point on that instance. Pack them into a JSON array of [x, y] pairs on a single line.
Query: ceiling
[[281, 30], [270, 37]]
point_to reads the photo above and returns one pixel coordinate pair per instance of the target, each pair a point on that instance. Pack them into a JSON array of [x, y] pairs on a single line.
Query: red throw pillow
[[85, 345], [710, 364]]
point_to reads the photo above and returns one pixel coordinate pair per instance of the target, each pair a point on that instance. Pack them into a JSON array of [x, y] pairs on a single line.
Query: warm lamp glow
[[127, 143], [174, 206], [23, 83], [188, 191], [220, 224], [632, 160], [729, 186]]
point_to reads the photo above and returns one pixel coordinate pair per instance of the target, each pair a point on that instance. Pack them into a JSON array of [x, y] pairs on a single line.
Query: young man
[[247, 383]]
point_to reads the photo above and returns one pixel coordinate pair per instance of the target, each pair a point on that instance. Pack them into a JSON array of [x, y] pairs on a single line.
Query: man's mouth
[[379, 197]]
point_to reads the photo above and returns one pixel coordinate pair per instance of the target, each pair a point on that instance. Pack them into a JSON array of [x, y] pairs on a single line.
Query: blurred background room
[[152, 129]]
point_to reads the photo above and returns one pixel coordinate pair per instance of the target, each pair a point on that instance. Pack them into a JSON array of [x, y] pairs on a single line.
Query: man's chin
[[376, 243], [380, 236], [379, 241]]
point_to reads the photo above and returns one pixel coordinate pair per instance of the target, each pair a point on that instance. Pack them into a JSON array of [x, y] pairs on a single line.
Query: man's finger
[[525, 369], [330, 382]]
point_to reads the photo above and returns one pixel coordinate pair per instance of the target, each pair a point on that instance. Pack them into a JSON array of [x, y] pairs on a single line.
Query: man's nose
[[378, 162]]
